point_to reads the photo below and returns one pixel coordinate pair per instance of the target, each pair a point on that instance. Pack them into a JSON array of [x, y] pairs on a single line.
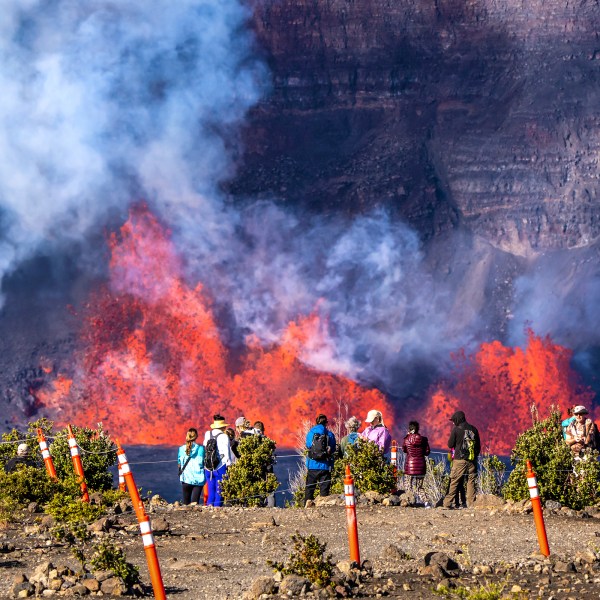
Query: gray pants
[[460, 468]]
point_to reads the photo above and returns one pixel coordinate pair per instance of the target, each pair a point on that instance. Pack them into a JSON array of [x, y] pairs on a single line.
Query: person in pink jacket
[[377, 432]]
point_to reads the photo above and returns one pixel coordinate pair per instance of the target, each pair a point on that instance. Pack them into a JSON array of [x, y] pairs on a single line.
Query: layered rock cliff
[[474, 112]]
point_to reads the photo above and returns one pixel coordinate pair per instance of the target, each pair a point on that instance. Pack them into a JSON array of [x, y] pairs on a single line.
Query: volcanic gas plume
[[152, 362]]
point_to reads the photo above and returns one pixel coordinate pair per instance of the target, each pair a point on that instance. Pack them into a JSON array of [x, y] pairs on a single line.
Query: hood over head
[[458, 417]]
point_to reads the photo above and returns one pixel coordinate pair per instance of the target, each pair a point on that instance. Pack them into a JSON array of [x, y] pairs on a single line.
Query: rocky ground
[[410, 552]]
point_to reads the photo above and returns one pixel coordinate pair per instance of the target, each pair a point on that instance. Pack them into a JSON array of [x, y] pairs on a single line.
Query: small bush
[[67, 507], [552, 461], [250, 480], [98, 453], [370, 470], [308, 560], [108, 557], [491, 472], [27, 484]]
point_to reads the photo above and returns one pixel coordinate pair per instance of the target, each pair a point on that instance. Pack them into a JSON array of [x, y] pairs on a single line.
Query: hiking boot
[[309, 504]]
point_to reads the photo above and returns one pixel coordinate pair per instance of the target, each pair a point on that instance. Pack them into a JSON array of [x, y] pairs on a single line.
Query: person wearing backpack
[[218, 456], [464, 439], [320, 444], [352, 426], [190, 462]]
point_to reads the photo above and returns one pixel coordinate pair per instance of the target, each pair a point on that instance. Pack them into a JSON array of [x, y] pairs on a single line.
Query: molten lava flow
[[152, 363], [497, 387]]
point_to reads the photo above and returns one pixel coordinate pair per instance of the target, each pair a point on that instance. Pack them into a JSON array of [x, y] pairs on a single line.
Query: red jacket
[[416, 448]]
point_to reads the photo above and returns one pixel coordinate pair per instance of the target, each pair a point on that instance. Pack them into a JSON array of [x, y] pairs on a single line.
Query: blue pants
[[213, 481]]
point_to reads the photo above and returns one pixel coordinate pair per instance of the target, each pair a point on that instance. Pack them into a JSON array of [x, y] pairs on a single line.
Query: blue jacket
[[313, 464], [193, 473]]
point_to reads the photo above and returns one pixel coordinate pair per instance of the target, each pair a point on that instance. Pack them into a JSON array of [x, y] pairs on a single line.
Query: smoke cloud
[[107, 103]]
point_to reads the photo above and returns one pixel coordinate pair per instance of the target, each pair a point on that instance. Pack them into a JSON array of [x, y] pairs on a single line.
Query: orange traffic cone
[[145, 527], [77, 464], [46, 454], [538, 516], [351, 516]]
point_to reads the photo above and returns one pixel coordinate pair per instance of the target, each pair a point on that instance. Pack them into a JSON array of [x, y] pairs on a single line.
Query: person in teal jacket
[[190, 459]]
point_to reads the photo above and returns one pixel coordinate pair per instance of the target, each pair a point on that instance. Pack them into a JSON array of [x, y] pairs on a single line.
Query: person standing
[[190, 459], [215, 467], [581, 432], [464, 439], [565, 424], [23, 457], [416, 448], [320, 443], [352, 426], [377, 432]]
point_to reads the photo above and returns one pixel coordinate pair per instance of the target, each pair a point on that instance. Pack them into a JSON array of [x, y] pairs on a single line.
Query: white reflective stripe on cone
[[532, 482], [125, 468], [45, 454], [348, 489], [122, 458], [148, 539], [72, 442], [145, 526], [533, 492], [43, 446], [350, 501], [75, 451]]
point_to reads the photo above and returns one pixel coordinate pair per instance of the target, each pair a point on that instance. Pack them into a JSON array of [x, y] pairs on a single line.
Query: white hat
[[22, 450], [372, 415], [239, 422], [580, 410]]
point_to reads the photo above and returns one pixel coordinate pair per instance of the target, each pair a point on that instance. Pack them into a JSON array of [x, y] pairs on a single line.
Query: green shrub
[[28, 484], [307, 560], [67, 507], [490, 476], [248, 481], [108, 557], [370, 470], [552, 461], [97, 452]]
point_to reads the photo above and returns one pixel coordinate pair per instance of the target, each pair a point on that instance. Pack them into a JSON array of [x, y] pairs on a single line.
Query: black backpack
[[212, 457], [319, 449]]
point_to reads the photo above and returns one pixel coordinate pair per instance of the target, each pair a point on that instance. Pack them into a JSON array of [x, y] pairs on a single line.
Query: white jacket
[[223, 445]]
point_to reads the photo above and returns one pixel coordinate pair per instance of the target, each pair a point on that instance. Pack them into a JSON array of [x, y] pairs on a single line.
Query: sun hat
[[219, 423], [22, 450], [372, 415], [240, 421], [580, 410]]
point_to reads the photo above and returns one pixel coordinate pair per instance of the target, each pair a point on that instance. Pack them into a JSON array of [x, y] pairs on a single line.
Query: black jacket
[[458, 433]]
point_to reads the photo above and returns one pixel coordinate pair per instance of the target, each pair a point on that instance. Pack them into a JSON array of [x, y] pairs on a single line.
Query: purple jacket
[[416, 448], [381, 436]]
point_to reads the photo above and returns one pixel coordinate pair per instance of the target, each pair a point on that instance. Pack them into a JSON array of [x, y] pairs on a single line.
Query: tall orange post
[[145, 526], [77, 464], [351, 516], [46, 454], [394, 460], [538, 517]]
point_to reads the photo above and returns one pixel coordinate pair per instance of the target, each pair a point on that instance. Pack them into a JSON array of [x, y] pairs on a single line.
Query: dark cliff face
[[474, 113]]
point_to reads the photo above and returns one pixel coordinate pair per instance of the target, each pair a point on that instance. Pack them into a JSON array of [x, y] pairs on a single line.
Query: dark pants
[[191, 493], [314, 476]]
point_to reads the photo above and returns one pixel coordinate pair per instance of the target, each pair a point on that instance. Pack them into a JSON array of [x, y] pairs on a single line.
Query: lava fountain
[[152, 363]]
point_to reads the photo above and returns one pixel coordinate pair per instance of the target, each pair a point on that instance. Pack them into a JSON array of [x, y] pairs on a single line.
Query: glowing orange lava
[[152, 362], [497, 387]]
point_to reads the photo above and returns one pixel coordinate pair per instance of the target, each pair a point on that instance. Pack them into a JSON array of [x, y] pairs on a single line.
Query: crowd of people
[[205, 464], [202, 466]]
